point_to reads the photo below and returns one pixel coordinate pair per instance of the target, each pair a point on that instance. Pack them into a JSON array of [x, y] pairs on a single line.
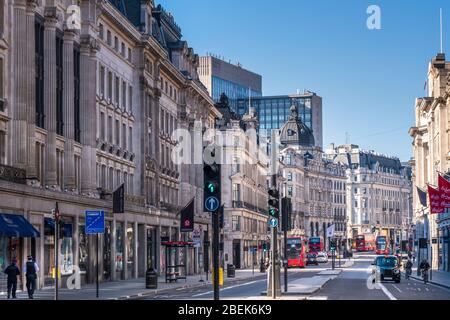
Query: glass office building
[[219, 76], [233, 91], [274, 111]]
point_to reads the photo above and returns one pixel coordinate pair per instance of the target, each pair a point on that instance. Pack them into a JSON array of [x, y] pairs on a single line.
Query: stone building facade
[[315, 185], [431, 143], [378, 193], [243, 188], [83, 111]]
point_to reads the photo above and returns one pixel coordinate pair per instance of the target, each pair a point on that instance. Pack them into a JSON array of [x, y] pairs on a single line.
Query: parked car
[[322, 257], [386, 267], [311, 258]]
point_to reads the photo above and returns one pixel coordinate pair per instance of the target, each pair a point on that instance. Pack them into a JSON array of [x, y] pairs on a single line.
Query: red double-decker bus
[[365, 243], [382, 243], [296, 252], [316, 244]]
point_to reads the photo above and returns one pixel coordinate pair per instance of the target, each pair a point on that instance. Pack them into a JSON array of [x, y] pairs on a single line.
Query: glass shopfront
[[66, 247], [49, 251], [107, 251], [83, 240], [119, 251], [10, 248], [130, 250], [151, 248]]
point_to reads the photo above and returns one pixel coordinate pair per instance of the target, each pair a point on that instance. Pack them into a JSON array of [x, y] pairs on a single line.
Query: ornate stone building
[[243, 188], [378, 193], [315, 185], [83, 111], [431, 146]]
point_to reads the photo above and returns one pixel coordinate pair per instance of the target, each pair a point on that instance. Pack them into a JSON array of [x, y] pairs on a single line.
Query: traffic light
[[274, 203], [212, 187], [286, 209], [333, 244]]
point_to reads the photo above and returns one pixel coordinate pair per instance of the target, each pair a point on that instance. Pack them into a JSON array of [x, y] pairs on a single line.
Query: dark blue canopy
[[12, 225]]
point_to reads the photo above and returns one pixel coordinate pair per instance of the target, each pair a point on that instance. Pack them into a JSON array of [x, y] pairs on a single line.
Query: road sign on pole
[[95, 222], [273, 223], [212, 204]]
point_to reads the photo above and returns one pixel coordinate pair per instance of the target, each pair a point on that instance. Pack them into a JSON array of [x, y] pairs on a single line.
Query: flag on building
[[422, 197], [434, 197], [118, 200], [330, 231], [187, 217], [444, 188]]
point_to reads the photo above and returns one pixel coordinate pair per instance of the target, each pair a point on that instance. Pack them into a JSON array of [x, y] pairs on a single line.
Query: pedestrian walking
[[31, 270], [13, 272]]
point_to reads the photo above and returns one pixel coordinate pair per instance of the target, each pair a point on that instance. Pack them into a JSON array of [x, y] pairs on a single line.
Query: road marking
[[386, 292], [396, 288], [231, 287], [427, 289]]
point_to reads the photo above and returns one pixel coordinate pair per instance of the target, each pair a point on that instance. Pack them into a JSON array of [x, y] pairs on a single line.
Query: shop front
[[14, 229]]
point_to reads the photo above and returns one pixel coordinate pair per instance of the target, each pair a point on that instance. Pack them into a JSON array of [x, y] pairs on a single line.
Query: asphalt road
[[353, 284], [244, 289]]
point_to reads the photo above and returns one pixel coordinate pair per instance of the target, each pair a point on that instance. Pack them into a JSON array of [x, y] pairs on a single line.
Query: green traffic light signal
[[211, 187]]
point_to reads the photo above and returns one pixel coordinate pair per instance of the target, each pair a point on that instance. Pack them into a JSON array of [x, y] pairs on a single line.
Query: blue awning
[[12, 225]]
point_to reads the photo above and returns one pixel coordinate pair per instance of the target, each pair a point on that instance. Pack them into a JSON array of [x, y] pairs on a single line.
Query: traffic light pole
[[215, 223], [274, 261], [285, 263]]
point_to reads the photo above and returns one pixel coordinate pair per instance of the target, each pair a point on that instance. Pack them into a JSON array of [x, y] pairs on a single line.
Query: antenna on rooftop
[[442, 50]]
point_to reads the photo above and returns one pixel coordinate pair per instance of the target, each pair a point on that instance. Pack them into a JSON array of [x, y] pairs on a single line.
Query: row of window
[[123, 50], [60, 89], [60, 163], [167, 122], [113, 132], [168, 89], [115, 89], [111, 179], [248, 225]]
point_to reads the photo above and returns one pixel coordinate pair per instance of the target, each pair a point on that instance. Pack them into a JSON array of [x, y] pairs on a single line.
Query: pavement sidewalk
[[438, 277], [134, 288]]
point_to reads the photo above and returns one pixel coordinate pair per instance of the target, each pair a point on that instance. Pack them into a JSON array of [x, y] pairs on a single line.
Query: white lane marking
[[386, 292], [227, 288], [427, 289], [396, 288]]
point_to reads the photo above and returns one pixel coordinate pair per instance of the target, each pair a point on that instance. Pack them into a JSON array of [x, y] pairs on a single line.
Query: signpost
[[95, 224]]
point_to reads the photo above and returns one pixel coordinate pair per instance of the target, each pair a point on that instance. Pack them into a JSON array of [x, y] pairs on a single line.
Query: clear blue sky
[[368, 79]]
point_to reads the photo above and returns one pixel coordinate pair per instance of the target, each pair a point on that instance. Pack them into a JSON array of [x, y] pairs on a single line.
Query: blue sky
[[368, 79]]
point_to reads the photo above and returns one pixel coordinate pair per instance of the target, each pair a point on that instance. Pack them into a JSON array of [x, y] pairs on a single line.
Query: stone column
[[157, 110], [69, 94], [50, 94], [113, 250], [136, 248], [21, 75], [31, 90], [88, 120], [76, 241], [125, 251]]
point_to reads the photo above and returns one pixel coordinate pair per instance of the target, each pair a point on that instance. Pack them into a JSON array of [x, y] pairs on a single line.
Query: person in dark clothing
[[31, 270], [12, 271]]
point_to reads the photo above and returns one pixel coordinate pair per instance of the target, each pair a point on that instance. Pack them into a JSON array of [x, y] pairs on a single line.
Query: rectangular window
[[129, 54], [76, 97], [130, 139], [117, 133], [116, 43], [2, 147], [102, 81], [108, 38], [2, 101], [236, 223], [110, 129], [59, 84], [39, 74], [117, 90], [130, 99], [124, 136], [110, 85], [100, 31], [122, 50], [236, 192], [77, 172], [59, 167], [102, 126], [124, 95]]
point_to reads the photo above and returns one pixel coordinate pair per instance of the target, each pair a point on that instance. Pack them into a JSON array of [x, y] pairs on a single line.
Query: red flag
[[444, 188], [435, 201]]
